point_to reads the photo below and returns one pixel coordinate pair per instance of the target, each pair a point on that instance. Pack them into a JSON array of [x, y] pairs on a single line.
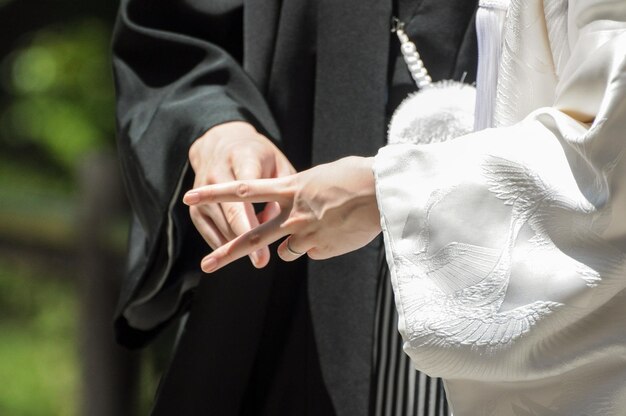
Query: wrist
[[365, 173], [215, 134], [364, 186]]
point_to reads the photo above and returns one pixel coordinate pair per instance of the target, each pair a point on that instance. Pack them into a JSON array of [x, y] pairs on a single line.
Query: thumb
[[250, 167]]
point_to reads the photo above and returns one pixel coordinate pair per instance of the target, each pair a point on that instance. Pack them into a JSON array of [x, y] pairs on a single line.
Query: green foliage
[[38, 329], [58, 105], [62, 93]]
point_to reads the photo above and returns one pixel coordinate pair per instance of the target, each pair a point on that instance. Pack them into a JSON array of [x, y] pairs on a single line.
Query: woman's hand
[[327, 211]]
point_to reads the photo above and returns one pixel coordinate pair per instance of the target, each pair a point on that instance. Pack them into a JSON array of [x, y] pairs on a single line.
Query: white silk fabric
[[507, 246]]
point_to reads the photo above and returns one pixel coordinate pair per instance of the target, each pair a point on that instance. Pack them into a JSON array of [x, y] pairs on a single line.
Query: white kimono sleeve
[[507, 246]]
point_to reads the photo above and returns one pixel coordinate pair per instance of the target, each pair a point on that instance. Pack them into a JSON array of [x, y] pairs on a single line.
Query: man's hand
[[228, 152], [326, 211]]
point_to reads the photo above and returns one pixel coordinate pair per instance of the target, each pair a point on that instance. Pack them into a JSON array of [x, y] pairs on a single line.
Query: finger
[[293, 247], [230, 221], [241, 219], [207, 230], [283, 167], [259, 237], [215, 213], [249, 167], [259, 190], [237, 218], [219, 173], [271, 210]]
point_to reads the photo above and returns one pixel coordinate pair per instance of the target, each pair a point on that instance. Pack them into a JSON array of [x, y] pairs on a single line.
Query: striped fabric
[[399, 389]]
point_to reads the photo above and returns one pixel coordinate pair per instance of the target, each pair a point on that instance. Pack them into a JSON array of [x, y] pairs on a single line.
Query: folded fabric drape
[[507, 246]]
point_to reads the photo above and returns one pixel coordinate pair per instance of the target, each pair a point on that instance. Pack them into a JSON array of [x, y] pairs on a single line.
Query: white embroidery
[[454, 296]]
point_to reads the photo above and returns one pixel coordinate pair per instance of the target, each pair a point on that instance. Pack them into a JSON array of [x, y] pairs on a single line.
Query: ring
[[292, 251]]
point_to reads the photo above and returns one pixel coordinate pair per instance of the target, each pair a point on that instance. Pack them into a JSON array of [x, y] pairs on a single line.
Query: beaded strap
[[410, 55]]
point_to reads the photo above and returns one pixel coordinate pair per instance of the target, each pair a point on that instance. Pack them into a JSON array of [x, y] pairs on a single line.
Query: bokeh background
[[63, 218]]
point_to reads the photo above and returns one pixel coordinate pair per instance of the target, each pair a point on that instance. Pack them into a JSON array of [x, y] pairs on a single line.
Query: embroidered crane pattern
[[454, 296]]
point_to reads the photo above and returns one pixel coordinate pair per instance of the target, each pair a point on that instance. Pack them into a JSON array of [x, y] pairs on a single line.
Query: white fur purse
[[438, 111]]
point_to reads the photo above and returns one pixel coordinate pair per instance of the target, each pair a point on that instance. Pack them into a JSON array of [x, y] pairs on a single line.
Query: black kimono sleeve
[[178, 73]]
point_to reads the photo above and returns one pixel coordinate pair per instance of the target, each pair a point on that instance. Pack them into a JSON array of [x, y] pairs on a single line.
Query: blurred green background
[[63, 217]]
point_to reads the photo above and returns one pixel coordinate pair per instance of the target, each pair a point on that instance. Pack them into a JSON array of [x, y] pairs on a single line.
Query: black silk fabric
[[320, 79]]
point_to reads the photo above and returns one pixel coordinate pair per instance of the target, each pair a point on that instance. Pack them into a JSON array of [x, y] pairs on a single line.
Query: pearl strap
[[411, 55]]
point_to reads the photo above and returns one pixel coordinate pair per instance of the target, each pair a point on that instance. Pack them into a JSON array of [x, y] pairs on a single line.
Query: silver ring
[[292, 251]]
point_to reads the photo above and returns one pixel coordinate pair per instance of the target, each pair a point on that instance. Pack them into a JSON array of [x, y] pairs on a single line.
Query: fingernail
[[254, 257], [191, 198], [209, 265]]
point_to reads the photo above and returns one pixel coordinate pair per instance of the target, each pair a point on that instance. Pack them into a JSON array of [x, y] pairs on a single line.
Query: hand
[[327, 211], [228, 152]]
